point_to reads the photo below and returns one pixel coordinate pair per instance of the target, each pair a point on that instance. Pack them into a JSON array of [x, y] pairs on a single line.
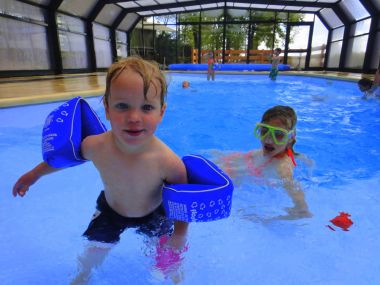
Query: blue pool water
[[41, 233]]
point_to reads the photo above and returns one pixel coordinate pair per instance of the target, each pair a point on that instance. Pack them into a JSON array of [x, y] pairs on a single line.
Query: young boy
[[275, 59], [133, 163], [370, 88]]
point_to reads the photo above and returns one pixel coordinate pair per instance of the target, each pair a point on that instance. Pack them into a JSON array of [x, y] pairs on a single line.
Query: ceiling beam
[[204, 2]]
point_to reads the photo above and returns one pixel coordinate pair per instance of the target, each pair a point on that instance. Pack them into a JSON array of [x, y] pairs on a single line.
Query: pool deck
[[17, 91]]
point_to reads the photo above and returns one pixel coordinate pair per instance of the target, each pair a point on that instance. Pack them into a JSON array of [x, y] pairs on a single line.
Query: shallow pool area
[[41, 233]]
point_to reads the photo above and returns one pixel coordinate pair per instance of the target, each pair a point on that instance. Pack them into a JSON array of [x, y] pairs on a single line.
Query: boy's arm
[[25, 181], [178, 175]]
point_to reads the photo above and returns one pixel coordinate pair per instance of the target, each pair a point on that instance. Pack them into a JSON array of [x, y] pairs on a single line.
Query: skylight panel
[[259, 6], [293, 8], [310, 9], [146, 2], [242, 5], [178, 9], [331, 18], [165, 1], [161, 11], [275, 7], [128, 4], [145, 13], [205, 6], [354, 9]]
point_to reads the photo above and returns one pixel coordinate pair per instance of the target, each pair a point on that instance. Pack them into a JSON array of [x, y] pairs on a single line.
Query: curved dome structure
[[62, 36]]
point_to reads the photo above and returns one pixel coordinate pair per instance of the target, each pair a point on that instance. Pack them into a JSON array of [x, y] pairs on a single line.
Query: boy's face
[[269, 147], [133, 118]]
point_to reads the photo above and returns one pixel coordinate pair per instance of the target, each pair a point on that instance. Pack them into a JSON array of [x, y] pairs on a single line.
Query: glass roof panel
[[128, 4], [242, 5], [194, 7], [78, 8], [293, 8], [259, 6], [145, 13], [328, 1], [205, 6], [275, 7], [108, 14], [128, 21], [161, 11], [42, 2], [331, 18], [146, 2], [311, 9], [165, 1], [354, 9], [178, 9]]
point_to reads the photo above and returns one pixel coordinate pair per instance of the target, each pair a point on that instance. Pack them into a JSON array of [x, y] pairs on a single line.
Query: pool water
[[41, 233]]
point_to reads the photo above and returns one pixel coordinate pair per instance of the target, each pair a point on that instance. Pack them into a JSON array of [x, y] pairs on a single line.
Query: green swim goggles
[[280, 136]]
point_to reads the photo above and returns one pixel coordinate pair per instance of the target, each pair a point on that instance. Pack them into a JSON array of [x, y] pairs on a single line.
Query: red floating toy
[[343, 221]]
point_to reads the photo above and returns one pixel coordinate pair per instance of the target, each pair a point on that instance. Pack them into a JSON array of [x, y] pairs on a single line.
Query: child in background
[[185, 84], [275, 59], [370, 88], [133, 163], [277, 133], [210, 66]]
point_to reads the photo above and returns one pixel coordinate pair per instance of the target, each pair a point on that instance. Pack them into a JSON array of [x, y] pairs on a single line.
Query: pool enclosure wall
[[40, 37]]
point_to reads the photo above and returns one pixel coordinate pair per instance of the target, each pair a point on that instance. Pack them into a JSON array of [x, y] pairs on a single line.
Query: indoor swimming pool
[[41, 232]]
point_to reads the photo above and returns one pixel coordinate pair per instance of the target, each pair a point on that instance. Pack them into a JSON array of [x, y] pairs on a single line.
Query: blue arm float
[[207, 197], [64, 130]]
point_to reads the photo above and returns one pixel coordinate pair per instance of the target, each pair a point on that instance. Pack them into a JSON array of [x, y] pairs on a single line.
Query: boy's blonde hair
[[148, 70]]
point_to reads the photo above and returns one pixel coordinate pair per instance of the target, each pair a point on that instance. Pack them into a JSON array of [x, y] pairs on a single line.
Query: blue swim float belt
[[206, 197]]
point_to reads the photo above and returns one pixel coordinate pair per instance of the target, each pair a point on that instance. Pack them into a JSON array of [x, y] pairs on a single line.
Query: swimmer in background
[[185, 84], [370, 88], [211, 66], [277, 133], [275, 59]]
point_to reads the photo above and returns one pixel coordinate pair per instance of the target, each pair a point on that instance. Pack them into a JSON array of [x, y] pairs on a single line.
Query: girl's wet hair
[[148, 70], [286, 115], [365, 83]]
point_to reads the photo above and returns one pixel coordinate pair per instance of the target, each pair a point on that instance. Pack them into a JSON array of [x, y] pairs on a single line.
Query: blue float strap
[[65, 128], [206, 197]]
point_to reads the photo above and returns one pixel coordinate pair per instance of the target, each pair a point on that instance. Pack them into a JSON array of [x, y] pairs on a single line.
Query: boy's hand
[[23, 183]]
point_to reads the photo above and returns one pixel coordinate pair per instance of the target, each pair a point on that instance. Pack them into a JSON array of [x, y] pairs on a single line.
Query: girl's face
[[269, 147], [133, 118]]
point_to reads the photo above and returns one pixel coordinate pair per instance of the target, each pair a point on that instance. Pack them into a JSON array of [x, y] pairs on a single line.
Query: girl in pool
[[210, 66], [277, 133]]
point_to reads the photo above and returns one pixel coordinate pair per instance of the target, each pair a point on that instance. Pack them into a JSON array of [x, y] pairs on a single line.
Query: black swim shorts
[[107, 225]]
